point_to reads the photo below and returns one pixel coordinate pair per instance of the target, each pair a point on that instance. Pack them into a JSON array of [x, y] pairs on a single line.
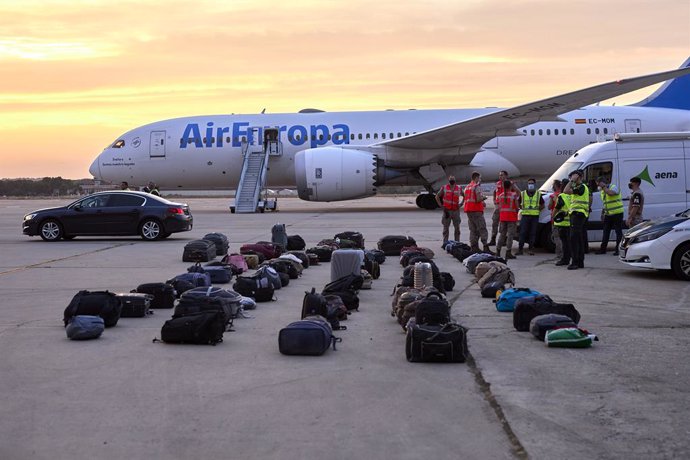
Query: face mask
[[530, 186], [451, 182]]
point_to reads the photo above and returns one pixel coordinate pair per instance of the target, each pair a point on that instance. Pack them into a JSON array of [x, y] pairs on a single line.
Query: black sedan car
[[113, 213]]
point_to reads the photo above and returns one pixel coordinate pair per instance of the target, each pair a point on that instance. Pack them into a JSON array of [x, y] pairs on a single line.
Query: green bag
[[569, 337]]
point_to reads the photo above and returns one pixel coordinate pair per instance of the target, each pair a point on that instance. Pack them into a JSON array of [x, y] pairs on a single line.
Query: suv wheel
[[680, 263], [50, 230], [150, 230]]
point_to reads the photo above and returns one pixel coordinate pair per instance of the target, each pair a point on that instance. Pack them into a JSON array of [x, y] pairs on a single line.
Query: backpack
[[192, 305], [433, 309], [356, 238], [314, 304], [306, 337], [372, 266], [527, 308], [195, 278], [336, 307], [259, 288], [494, 271], [204, 328], [295, 243], [447, 280], [94, 303], [541, 324], [301, 255], [163, 294], [238, 261], [461, 252], [491, 289], [220, 241], [375, 254], [181, 285], [272, 275], [569, 337], [366, 279], [349, 282], [279, 236], [322, 252], [506, 301], [84, 327], [348, 297], [472, 261], [232, 299]]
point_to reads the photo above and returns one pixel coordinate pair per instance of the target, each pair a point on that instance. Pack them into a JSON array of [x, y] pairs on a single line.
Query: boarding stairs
[[253, 178]]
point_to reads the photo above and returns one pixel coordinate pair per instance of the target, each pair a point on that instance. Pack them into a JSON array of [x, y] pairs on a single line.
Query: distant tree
[[47, 186]]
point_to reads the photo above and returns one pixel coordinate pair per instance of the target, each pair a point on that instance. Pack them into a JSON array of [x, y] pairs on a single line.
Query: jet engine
[[334, 174]]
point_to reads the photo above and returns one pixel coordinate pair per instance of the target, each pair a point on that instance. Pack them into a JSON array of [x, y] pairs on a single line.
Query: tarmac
[[122, 396]]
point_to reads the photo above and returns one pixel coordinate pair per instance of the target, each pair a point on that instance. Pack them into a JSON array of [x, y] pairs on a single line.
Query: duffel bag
[[349, 282], [85, 327], [541, 324], [205, 328], [163, 294], [392, 244], [506, 301], [134, 304], [295, 243], [375, 254], [231, 298], [322, 252], [219, 274], [94, 303], [491, 289], [196, 278], [436, 343], [527, 308], [356, 237], [259, 288], [306, 337], [569, 337]]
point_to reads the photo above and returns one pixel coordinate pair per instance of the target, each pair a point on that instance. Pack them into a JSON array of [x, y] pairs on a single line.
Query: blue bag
[[197, 279], [506, 301], [85, 327], [218, 274], [306, 337]]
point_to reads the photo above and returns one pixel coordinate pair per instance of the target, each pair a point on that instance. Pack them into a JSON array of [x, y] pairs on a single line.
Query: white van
[[660, 160]]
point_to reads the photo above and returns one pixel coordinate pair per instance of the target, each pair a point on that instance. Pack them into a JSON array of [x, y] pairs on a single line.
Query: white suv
[[660, 244]]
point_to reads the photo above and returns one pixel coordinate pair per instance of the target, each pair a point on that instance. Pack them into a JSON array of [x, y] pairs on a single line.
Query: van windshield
[[561, 173]]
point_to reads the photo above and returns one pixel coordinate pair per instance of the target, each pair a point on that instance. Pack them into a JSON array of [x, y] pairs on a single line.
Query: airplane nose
[[95, 168]]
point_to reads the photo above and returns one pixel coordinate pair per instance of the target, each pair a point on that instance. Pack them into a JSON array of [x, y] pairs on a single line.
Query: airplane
[[332, 156]]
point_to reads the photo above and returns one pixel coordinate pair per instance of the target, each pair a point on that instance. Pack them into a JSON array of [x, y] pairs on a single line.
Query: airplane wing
[[478, 130]]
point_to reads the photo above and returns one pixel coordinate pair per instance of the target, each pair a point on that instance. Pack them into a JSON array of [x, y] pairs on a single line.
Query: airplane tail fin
[[673, 94]]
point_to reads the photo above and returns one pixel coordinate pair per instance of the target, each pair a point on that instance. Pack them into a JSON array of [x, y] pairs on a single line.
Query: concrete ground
[[123, 396]]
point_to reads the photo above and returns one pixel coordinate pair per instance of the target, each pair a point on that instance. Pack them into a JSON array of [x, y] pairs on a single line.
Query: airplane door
[[633, 126], [157, 144]]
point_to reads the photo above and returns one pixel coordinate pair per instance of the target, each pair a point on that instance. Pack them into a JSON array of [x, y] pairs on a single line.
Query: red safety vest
[[552, 204], [508, 205], [451, 197], [499, 190], [472, 203]]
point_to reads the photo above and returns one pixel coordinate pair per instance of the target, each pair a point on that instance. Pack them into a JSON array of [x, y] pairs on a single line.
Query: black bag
[[295, 243], [205, 328], [199, 251], [392, 244], [181, 285], [94, 303], [306, 337], [322, 252], [527, 308], [163, 294], [482, 257], [541, 324], [220, 241], [372, 267], [231, 298], [375, 254], [349, 282], [355, 237], [260, 289], [284, 266], [135, 305], [219, 274], [302, 256], [490, 289], [434, 309], [192, 305], [435, 343], [461, 252], [407, 278], [314, 304], [313, 259], [405, 257], [447, 280], [284, 279], [348, 297]]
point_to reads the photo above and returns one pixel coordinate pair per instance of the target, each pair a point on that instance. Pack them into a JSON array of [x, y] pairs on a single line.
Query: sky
[[76, 74]]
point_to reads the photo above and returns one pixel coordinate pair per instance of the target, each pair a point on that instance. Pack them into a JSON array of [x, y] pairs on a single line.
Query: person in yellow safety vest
[[612, 213], [531, 203], [449, 199], [579, 210], [561, 223]]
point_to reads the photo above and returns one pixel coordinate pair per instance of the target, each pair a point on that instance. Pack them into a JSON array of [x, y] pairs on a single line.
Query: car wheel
[[150, 230], [680, 262], [50, 230]]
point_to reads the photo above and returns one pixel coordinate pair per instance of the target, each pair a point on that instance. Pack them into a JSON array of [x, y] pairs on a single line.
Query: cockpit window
[[119, 144]]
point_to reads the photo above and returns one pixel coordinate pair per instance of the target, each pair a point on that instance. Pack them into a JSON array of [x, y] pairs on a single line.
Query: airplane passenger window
[[572, 131], [606, 130], [119, 144], [565, 131], [227, 140], [383, 135], [391, 136], [531, 132], [555, 132], [407, 134], [589, 130], [359, 136], [548, 132], [329, 137], [352, 137], [399, 135], [541, 132], [596, 130], [376, 135]]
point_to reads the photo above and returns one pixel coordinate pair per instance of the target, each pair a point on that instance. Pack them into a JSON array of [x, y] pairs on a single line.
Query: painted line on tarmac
[[74, 256]]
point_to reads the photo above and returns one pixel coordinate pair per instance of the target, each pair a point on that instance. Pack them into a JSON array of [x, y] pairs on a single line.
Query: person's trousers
[[448, 217], [564, 236], [614, 222], [528, 230], [577, 247], [495, 220], [506, 234], [477, 225], [556, 238]]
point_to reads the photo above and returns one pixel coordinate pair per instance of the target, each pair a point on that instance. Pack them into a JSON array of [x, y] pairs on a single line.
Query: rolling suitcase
[[134, 305], [199, 251], [221, 242], [163, 294], [346, 262]]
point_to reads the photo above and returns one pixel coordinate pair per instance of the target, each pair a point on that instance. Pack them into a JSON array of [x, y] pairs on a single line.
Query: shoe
[[510, 256], [601, 251], [562, 262], [519, 252], [443, 246], [580, 265], [573, 267], [493, 241], [488, 250], [615, 253]]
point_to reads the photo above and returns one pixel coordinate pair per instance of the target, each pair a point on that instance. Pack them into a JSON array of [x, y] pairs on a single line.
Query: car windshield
[[561, 173]]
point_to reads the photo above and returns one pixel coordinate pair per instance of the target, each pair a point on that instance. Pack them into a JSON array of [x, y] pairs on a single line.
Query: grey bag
[[279, 235], [85, 327]]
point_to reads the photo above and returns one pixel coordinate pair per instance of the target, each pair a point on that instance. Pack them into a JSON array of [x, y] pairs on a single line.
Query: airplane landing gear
[[426, 201]]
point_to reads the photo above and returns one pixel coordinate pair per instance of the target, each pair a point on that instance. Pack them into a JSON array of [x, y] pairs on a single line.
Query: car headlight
[[649, 236], [29, 216]]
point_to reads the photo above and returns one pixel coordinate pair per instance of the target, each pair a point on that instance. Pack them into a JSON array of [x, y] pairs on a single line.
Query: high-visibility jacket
[[566, 208], [499, 191], [580, 203], [613, 204], [451, 197], [508, 205], [530, 204], [472, 201]]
